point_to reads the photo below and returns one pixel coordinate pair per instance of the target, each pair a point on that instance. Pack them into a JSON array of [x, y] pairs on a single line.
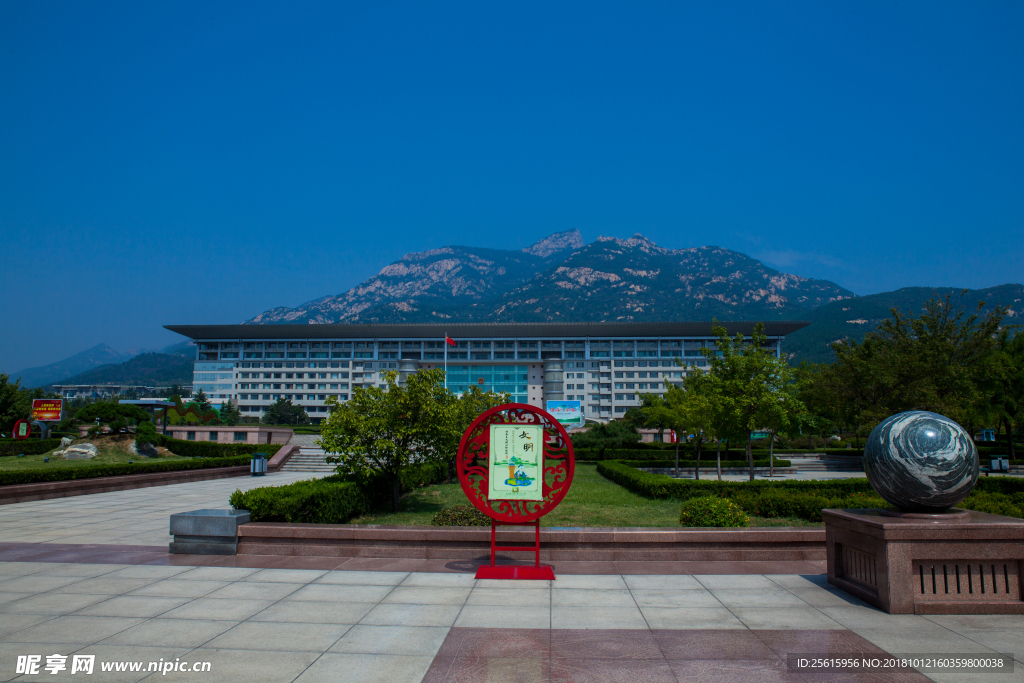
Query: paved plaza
[[90, 575]]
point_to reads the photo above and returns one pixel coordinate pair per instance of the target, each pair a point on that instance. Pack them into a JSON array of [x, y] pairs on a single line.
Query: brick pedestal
[[955, 564]]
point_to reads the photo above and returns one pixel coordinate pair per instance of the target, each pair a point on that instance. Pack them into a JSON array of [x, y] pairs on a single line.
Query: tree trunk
[[696, 470], [396, 494], [1009, 438], [750, 457], [771, 453], [718, 458]]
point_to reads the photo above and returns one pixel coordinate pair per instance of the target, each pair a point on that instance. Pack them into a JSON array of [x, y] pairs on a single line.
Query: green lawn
[[592, 501], [111, 449]]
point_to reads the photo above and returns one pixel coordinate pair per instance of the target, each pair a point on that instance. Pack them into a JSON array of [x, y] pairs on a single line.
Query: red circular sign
[[472, 461], [22, 429]]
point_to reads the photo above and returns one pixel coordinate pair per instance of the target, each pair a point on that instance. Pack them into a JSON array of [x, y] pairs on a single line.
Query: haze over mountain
[[101, 364], [560, 278]]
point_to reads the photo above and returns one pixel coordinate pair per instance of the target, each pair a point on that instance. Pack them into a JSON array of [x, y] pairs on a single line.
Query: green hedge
[[711, 511], [314, 501], [802, 499], [331, 500], [27, 446], [214, 449], [64, 473], [704, 462]]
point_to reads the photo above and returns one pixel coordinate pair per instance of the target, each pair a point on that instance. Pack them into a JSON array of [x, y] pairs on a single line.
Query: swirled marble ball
[[921, 461]]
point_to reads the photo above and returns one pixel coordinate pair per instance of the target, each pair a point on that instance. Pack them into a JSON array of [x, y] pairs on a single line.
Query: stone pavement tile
[[11, 597], [212, 608], [921, 638], [427, 595], [568, 568], [716, 618], [320, 592], [383, 564], [597, 617], [439, 580], [119, 653], [515, 669], [51, 603], [132, 606], [11, 623], [738, 671], [171, 588], [781, 617], [579, 597], [823, 597], [9, 653], [731, 581], [251, 666], [171, 633], [488, 642], [301, 611], [412, 615], [366, 668], [757, 597], [255, 591], [82, 569], [257, 635], [513, 583], [217, 574], [392, 640], [792, 581], [251, 561], [675, 598], [651, 567], [711, 644], [9, 569], [867, 616], [661, 582], [784, 642], [298, 562], [105, 585], [363, 578], [605, 644], [190, 561], [590, 582], [510, 616], [286, 575], [72, 629], [611, 670], [961, 677], [33, 583], [525, 597]]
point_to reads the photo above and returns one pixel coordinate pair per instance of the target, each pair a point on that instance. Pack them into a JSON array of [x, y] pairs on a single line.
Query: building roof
[[480, 330]]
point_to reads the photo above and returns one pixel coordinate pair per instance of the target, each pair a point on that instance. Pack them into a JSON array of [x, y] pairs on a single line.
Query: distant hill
[[560, 279], [856, 317], [101, 354], [148, 369]]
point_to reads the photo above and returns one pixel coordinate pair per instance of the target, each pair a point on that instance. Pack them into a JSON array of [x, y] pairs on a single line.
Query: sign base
[[513, 571]]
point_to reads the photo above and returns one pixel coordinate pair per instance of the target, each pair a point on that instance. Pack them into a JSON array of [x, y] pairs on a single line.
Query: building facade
[[605, 366]]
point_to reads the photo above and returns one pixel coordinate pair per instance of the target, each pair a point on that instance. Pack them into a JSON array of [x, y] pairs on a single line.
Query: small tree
[[602, 436], [453, 416], [284, 412], [229, 413], [382, 430], [116, 416], [201, 400]]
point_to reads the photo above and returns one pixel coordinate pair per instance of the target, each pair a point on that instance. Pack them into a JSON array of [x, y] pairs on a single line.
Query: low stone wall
[[22, 493], [616, 544]]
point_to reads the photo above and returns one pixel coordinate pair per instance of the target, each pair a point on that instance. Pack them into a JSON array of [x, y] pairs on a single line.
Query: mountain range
[[101, 364]]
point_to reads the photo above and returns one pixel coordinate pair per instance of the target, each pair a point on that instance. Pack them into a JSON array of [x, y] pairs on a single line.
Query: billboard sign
[[47, 409], [568, 413]]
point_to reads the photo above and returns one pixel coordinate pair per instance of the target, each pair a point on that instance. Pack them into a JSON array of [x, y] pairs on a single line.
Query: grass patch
[[111, 449]]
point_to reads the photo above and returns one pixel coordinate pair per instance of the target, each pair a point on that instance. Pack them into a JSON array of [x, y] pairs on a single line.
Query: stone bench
[[206, 532]]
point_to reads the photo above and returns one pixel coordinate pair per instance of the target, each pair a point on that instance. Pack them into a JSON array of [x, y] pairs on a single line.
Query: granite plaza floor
[[90, 575]]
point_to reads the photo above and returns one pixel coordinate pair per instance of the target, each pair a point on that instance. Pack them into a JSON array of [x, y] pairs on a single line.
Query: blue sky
[[202, 162]]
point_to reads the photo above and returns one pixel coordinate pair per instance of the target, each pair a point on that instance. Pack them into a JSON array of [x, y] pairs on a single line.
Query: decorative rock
[[66, 441], [147, 450], [83, 451], [921, 461]]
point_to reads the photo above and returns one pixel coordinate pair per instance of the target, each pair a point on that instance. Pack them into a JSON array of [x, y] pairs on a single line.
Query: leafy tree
[[602, 436], [229, 413], [752, 383], [284, 412], [453, 416], [382, 430], [115, 416], [201, 400], [1007, 399], [12, 404]]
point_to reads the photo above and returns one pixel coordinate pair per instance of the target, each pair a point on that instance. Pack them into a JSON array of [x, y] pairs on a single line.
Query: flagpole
[[445, 360]]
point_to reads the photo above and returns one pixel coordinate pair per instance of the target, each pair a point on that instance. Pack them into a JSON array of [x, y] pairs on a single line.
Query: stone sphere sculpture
[[921, 461]]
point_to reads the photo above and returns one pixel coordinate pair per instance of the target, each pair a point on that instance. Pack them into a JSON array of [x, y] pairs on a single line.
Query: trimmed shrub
[[460, 515], [213, 449], [313, 501], [68, 473], [27, 446], [377, 488], [712, 511], [1009, 505], [704, 463]]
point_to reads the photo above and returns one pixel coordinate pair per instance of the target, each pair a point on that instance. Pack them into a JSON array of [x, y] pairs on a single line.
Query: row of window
[[297, 375]]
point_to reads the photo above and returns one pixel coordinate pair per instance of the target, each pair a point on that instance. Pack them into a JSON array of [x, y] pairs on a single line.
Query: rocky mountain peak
[[560, 241]]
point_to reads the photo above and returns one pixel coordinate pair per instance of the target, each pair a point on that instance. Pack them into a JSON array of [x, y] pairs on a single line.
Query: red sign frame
[[559, 466], [28, 431]]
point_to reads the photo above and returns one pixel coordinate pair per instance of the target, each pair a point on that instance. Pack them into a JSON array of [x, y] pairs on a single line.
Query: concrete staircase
[[824, 463], [308, 459]]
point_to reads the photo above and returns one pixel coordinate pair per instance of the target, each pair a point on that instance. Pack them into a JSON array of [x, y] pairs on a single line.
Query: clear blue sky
[[202, 162]]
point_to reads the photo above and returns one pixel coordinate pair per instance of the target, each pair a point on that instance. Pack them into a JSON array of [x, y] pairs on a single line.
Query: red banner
[[47, 409]]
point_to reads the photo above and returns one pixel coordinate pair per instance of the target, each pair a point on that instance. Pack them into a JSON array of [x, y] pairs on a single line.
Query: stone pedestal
[[962, 562], [207, 532]]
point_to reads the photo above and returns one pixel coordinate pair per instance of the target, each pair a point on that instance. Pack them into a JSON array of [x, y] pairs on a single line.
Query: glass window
[[213, 436], [191, 436]]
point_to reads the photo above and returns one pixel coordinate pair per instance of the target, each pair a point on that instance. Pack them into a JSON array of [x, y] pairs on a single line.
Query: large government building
[[605, 366]]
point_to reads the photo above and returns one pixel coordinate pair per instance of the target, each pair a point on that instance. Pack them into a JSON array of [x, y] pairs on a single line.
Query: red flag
[[449, 340]]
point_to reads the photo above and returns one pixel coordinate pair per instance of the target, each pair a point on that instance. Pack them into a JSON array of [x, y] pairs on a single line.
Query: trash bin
[[258, 465]]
